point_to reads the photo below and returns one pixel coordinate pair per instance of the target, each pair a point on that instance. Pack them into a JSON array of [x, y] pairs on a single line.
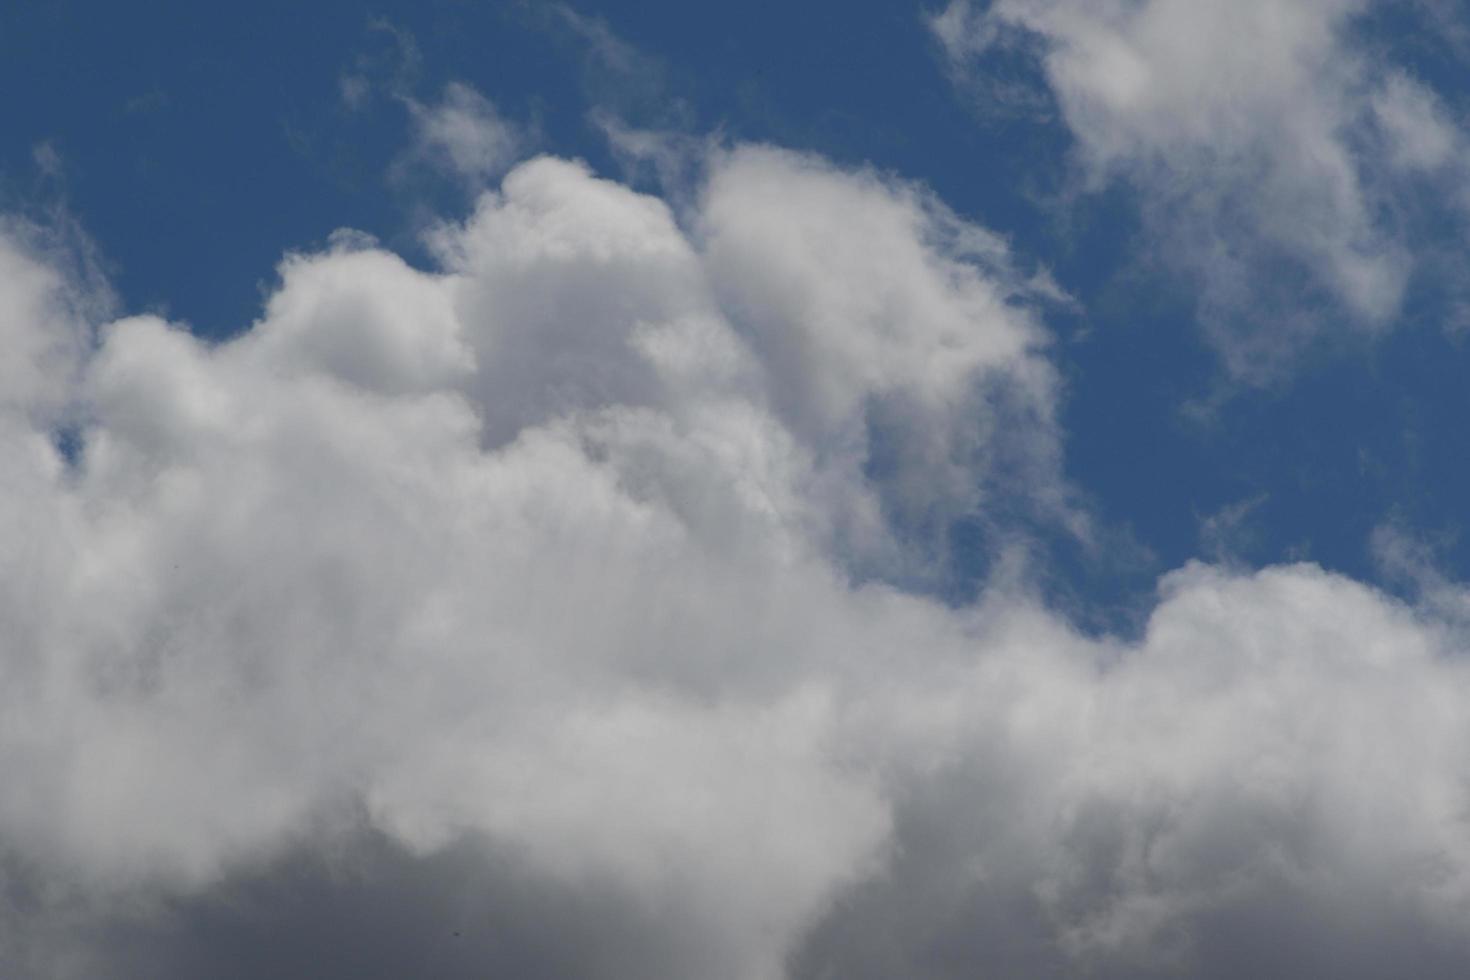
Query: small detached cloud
[[1268, 146], [462, 136]]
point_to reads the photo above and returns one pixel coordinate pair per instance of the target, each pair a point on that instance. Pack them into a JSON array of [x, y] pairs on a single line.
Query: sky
[[753, 491]]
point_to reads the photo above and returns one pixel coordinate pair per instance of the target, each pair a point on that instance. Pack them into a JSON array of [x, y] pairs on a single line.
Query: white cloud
[[860, 299], [554, 548], [41, 328], [1418, 130], [1245, 126], [463, 134]]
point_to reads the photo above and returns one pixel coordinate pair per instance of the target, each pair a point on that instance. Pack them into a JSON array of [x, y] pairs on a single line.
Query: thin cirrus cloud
[[582, 565], [1266, 141]]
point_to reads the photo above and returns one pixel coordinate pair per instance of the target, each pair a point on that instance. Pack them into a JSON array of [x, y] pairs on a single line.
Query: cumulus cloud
[[1259, 135], [587, 578]]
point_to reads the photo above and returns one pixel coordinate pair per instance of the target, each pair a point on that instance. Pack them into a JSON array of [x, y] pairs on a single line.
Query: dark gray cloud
[[358, 905]]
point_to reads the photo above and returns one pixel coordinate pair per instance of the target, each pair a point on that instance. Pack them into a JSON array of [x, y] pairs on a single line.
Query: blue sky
[[753, 490]]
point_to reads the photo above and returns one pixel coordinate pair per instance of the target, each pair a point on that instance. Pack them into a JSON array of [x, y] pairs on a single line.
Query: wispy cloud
[[1274, 155], [464, 136]]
